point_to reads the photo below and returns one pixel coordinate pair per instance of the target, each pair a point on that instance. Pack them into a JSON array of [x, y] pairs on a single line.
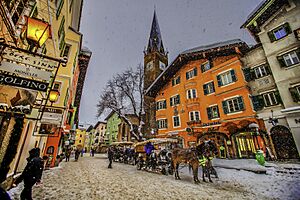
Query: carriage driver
[[148, 149]]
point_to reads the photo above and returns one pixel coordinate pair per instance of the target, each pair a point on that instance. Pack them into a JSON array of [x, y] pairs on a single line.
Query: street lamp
[[53, 96], [38, 31]]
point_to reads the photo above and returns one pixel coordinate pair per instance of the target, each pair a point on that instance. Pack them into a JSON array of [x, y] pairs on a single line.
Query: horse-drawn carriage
[[123, 152], [154, 154]]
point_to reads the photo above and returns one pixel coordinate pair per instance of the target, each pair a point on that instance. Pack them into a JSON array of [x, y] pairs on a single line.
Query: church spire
[[155, 41]]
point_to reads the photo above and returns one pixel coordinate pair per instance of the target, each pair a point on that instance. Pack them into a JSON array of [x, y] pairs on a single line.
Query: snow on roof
[[214, 45]]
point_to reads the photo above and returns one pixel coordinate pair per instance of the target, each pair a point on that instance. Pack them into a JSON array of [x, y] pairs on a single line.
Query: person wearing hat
[[32, 173]]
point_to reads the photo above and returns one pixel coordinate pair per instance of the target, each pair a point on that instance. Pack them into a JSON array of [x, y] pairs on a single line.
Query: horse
[[205, 151], [188, 156], [191, 156]]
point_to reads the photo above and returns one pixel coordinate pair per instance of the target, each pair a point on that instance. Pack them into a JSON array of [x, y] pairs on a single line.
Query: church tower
[[155, 56], [155, 61]]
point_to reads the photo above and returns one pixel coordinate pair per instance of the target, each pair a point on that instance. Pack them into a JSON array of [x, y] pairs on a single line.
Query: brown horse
[[188, 156], [191, 157]]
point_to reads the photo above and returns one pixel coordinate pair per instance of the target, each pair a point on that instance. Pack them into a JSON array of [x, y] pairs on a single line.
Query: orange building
[[202, 95]]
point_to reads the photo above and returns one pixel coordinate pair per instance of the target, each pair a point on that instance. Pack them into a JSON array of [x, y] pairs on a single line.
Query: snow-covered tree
[[123, 94]]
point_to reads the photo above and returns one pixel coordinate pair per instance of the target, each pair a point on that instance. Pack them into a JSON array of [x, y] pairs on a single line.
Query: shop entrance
[[246, 146], [284, 143]]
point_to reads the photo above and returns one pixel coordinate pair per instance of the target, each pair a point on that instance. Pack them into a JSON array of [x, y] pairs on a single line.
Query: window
[[65, 52], [226, 78], [16, 9], [61, 34], [279, 32], [213, 112], [209, 88], [59, 5], [206, 66], [261, 71], [175, 100], [295, 92], [176, 81], [191, 94], [291, 58], [50, 150], [57, 86], [161, 105], [162, 123], [191, 74], [194, 116], [233, 105], [176, 121], [270, 99]]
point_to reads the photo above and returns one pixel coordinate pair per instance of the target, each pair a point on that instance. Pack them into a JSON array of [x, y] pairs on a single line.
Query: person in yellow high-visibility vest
[[202, 161]]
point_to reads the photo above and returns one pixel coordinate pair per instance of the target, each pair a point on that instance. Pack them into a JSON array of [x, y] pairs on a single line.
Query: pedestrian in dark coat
[[32, 173], [110, 155]]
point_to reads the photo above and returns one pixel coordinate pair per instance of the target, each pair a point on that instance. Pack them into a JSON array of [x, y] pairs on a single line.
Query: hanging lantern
[[53, 96], [38, 31]]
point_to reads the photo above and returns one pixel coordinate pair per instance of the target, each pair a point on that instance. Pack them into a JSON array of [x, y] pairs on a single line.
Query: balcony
[[194, 123], [193, 101]]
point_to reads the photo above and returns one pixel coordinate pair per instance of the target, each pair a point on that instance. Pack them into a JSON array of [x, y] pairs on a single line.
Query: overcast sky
[[117, 31]]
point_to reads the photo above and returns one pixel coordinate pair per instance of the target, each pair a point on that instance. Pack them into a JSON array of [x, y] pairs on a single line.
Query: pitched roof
[[155, 41], [212, 46], [205, 51], [264, 11]]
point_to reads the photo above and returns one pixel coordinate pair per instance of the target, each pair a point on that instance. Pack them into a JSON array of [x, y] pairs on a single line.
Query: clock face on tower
[[149, 65], [162, 65]]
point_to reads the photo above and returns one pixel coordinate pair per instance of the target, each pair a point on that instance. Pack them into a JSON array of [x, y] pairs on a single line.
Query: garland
[[12, 147]]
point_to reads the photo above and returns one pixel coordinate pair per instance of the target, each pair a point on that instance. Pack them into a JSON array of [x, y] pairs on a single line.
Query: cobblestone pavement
[[89, 178]]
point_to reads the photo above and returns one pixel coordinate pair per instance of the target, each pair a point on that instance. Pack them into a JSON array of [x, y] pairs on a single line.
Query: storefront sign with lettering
[[6, 79], [204, 125], [29, 72], [15, 109], [25, 58]]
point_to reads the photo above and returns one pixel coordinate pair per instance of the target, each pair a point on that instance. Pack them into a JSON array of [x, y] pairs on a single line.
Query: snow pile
[[244, 164]]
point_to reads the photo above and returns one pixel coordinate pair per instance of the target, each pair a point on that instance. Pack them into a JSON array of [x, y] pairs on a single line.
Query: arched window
[[50, 150]]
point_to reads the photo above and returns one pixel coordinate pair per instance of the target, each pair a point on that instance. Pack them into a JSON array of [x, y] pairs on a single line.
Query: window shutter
[[178, 99], [218, 111], [187, 75], [171, 103], [157, 124], [281, 61], [277, 95], [268, 70], [241, 103], [166, 123], [209, 114], [178, 79], [258, 102], [225, 107], [195, 71], [247, 74], [298, 53], [210, 63], [213, 86], [202, 68], [271, 36], [295, 94], [173, 82], [233, 76], [219, 80], [205, 89], [287, 28]]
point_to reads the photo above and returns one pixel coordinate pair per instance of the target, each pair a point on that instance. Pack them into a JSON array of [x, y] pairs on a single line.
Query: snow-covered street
[[89, 178]]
